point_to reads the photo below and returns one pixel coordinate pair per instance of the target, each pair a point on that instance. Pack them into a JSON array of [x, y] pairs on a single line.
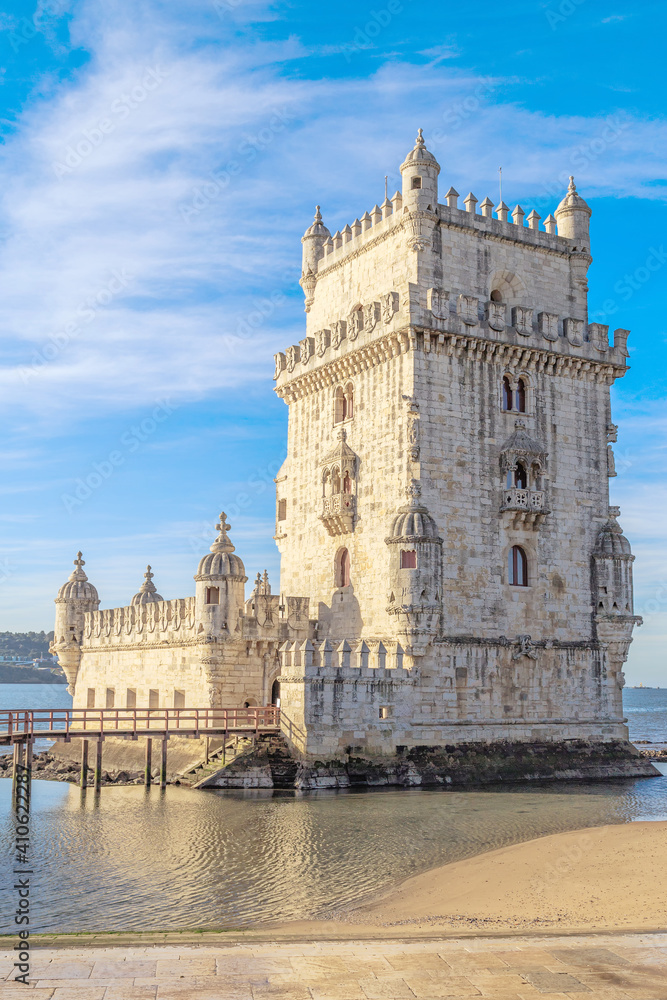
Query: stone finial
[[347, 234], [414, 491], [337, 239], [356, 228], [452, 197], [328, 246], [518, 216], [397, 201], [376, 215], [386, 208], [78, 573], [550, 224], [502, 211], [487, 208], [265, 582], [534, 220], [366, 221], [419, 141], [470, 202], [222, 542]]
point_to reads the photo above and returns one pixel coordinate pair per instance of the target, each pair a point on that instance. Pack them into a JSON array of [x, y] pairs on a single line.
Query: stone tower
[[444, 502], [75, 598]]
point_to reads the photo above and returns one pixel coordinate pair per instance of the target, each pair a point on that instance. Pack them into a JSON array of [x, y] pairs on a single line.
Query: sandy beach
[[608, 878]]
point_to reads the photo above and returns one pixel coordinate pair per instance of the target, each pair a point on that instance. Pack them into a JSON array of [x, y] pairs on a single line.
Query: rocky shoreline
[[47, 767]]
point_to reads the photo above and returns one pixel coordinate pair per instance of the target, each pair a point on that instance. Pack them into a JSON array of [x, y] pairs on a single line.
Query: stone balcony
[[525, 505], [338, 513]]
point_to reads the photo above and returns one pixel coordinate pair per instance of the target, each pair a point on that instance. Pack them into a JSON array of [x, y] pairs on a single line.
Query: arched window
[[343, 568], [521, 477], [408, 559], [340, 405], [496, 296], [275, 693], [520, 396], [347, 483], [326, 482], [335, 481], [517, 567], [507, 394], [349, 401]]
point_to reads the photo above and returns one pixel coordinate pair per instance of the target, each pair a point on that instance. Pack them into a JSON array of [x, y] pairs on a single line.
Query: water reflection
[[129, 859]]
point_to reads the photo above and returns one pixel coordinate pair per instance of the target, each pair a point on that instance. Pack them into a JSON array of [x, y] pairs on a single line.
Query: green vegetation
[[28, 645]]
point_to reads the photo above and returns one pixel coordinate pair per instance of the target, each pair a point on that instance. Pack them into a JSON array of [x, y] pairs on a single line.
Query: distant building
[[443, 512]]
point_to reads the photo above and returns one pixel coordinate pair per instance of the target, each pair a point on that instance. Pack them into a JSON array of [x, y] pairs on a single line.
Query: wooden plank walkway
[[21, 727]]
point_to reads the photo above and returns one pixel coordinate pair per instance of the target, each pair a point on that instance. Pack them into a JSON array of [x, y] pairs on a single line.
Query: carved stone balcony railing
[[338, 512], [525, 505]]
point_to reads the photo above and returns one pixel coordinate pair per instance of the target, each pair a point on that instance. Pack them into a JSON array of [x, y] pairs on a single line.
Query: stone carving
[[612, 432], [467, 308], [355, 323], [307, 346], [598, 334], [338, 332], [280, 361], [522, 320], [548, 325], [574, 331], [611, 462], [322, 341], [437, 300], [525, 647], [496, 315], [292, 354], [389, 306], [371, 316]]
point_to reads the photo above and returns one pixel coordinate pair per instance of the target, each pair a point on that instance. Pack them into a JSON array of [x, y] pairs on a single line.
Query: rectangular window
[[213, 595], [110, 698], [385, 711], [90, 701], [179, 699], [153, 699], [408, 559], [416, 183], [131, 698], [282, 510]]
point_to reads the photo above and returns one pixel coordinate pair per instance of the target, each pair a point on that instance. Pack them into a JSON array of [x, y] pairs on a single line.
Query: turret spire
[[222, 542]]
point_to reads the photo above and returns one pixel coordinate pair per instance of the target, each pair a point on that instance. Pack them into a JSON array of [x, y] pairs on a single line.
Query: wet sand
[[608, 878]]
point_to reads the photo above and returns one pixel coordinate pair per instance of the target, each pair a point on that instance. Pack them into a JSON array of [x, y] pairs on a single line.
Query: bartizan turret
[[420, 171], [612, 592], [313, 241], [147, 593], [74, 599], [220, 591]]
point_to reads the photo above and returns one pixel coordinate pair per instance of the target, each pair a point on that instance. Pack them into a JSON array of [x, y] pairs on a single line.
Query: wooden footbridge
[[21, 727]]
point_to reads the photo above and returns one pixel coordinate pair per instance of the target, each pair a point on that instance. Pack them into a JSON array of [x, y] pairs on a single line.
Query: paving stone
[[386, 988], [125, 991], [122, 970], [555, 982]]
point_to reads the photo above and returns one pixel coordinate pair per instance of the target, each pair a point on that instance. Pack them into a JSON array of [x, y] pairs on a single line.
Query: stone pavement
[[588, 967]]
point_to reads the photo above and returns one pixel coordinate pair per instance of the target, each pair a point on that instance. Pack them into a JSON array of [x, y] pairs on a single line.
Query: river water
[[134, 858]]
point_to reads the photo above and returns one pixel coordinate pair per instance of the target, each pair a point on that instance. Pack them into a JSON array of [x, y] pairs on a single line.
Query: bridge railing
[[70, 721]]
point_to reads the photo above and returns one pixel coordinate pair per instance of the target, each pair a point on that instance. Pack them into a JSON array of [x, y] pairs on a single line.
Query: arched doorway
[[275, 693]]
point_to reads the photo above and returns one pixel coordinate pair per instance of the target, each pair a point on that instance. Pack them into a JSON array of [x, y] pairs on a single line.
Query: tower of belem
[[443, 511]]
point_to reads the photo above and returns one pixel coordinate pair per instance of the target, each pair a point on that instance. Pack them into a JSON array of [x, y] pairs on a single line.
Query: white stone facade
[[443, 509]]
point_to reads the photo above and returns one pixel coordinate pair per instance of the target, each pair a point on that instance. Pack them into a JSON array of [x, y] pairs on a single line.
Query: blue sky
[[160, 162]]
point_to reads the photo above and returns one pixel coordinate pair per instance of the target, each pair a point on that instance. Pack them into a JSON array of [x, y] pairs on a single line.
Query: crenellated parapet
[[141, 624]]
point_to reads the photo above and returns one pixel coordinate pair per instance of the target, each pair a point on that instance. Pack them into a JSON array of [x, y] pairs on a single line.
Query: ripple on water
[[132, 859]]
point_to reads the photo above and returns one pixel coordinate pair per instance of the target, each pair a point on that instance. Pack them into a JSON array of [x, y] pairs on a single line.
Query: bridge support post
[[147, 769], [16, 770], [163, 764], [98, 764], [84, 763], [208, 743]]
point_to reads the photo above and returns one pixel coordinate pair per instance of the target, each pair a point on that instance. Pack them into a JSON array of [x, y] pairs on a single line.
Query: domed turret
[[415, 570], [220, 592], [573, 217], [313, 241], [612, 560], [147, 592], [420, 171], [74, 599]]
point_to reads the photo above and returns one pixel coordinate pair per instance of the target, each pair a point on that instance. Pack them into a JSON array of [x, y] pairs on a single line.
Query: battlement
[[391, 214], [353, 658], [141, 623]]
